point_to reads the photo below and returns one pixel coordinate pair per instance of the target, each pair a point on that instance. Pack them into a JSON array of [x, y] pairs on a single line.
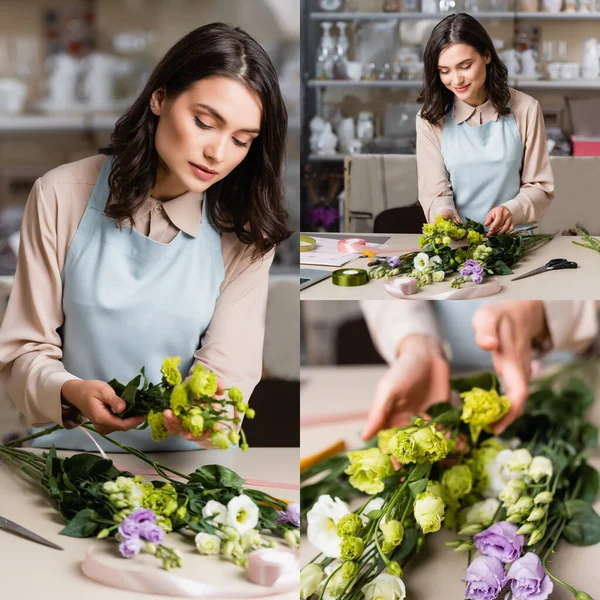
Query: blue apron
[[484, 164], [128, 302], [454, 321]]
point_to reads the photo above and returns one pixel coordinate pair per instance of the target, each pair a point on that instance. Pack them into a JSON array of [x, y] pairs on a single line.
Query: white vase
[[552, 6]]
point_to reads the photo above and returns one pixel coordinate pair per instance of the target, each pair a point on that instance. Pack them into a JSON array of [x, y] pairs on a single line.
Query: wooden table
[[435, 574], [582, 283], [32, 571]]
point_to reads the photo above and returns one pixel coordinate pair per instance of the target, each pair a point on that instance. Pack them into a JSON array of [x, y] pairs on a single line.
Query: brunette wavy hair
[[250, 200], [461, 28]]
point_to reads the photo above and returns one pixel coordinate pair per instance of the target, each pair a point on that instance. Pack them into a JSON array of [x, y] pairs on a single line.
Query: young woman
[[159, 246], [481, 146]]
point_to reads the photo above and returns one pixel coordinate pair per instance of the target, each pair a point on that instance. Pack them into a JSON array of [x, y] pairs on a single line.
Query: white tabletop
[[582, 283], [436, 573], [30, 570]]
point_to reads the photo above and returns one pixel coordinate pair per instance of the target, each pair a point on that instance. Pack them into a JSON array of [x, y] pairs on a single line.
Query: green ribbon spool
[[349, 277], [307, 243]]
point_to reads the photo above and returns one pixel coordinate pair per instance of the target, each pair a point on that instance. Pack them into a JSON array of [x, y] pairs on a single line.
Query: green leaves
[[82, 525], [590, 481], [583, 526], [217, 476], [140, 401], [88, 466]]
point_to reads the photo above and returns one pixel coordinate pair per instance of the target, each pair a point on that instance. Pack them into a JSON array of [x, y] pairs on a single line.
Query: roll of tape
[[349, 277], [307, 243], [351, 245]]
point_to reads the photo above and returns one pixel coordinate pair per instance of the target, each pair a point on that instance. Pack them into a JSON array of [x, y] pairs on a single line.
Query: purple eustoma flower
[[129, 528], [291, 515], [394, 261], [477, 278], [528, 579], [151, 532], [501, 541], [140, 515], [485, 578], [471, 267], [130, 547]]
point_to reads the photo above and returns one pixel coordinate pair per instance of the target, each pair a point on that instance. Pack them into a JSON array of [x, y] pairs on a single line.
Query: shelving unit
[[313, 90], [419, 16]]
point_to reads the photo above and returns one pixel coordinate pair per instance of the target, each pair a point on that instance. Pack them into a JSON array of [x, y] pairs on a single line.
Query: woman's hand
[[499, 220], [449, 214], [418, 378], [95, 399], [508, 330], [174, 427]]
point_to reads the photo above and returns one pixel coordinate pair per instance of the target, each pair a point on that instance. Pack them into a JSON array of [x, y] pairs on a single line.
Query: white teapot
[[100, 72], [62, 80], [512, 60], [529, 60]]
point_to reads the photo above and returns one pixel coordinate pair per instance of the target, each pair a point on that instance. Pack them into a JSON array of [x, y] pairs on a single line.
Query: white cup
[[554, 70], [354, 70]]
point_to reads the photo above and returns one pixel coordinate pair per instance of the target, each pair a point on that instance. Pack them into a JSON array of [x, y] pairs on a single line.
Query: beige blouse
[[30, 346], [537, 180]]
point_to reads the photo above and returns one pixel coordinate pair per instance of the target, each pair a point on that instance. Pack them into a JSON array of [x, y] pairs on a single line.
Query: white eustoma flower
[[498, 474], [374, 504], [438, 276], [329, 569], [385, 587], [213, 507], [207, 543], [519, 461], [421, 261], [540, 467], [322, 519], [482, 513], [242, 513], [435, 261]]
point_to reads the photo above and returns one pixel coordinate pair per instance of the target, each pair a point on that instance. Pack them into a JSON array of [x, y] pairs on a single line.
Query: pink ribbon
[[352, 245], [275, 572], [467, 292], [317, 420]]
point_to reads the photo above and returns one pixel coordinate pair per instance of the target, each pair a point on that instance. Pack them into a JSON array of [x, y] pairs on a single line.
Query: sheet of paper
[[326, 254]]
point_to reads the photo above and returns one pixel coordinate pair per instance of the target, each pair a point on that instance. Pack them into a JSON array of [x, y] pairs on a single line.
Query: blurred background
[[362, 69], [69, 69]]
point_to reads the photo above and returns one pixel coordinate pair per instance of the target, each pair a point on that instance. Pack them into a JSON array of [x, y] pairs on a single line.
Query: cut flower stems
[[448, 248], [209, 506], [509, 500]]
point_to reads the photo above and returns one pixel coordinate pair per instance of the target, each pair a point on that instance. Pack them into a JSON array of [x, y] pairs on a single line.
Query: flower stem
[[33, 436]]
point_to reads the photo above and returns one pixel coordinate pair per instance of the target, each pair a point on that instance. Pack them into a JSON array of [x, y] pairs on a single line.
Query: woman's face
[[463, 71], [203, 134]]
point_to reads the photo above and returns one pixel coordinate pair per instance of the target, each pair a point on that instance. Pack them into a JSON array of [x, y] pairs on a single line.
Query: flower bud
[[393, 532], [522, 507], [536, 536], [234, 437], [465, 547], [516, 519], [250, 413], [537, 514], [543, 498], [150, 548], [540, 467], [219, 439], [418, 422], [471, 529], [582, 596], [351, 548], [526, 529], [231, 533], [446, 240], [395, 569], [290, 537], [350, 570], [349, 525], [310, 578]]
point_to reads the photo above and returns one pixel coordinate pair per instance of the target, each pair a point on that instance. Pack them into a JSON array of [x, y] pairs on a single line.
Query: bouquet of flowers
[[210, 505], [198, 401], [511, 499], [448, 248]]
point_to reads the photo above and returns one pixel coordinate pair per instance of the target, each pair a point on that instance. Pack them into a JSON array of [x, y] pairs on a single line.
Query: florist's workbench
[[30, 570], [582, 283], [340, 397]]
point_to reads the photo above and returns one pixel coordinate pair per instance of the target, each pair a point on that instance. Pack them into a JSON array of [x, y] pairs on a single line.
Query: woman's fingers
[[172, 422]]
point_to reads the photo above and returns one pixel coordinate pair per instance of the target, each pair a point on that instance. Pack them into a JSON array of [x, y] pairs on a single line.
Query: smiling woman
[[481, 146], [159, 246]]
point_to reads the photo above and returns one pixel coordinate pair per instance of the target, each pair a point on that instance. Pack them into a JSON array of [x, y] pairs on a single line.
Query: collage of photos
[[300, 299]]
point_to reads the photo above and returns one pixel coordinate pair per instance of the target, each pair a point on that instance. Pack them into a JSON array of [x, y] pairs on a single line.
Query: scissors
[[552, 265], [34, 537]]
